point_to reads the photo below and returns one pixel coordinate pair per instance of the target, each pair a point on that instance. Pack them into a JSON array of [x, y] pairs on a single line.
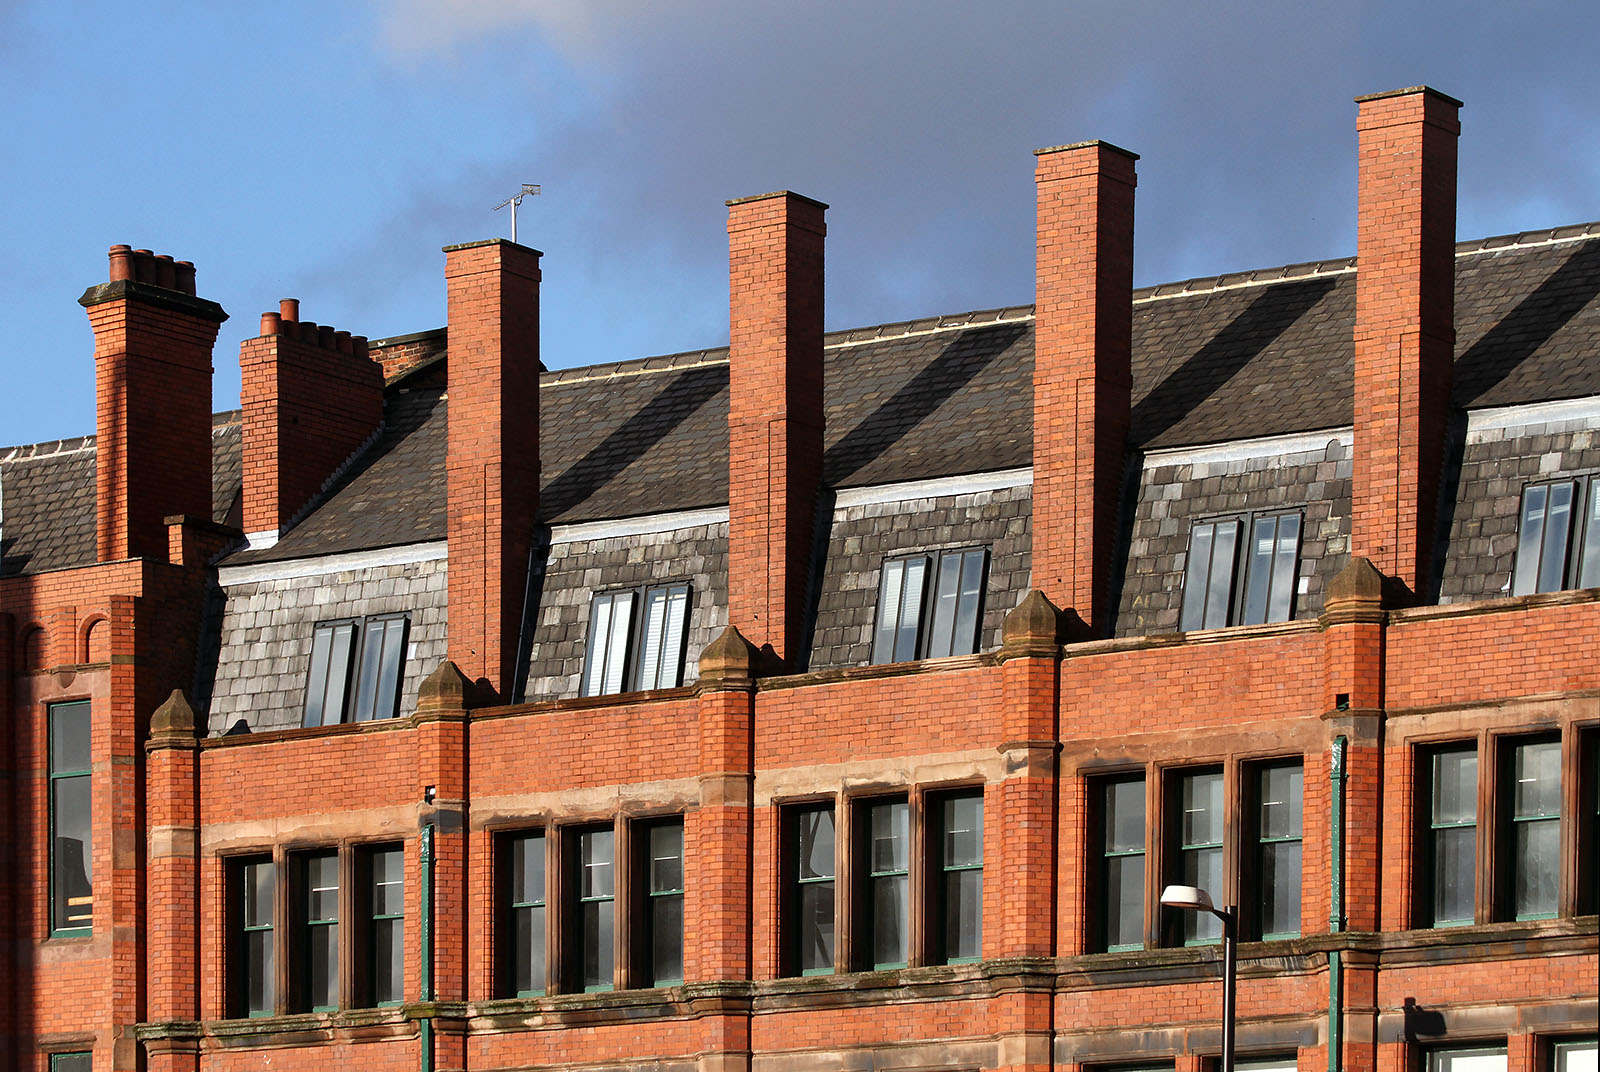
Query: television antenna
[[529, 189]]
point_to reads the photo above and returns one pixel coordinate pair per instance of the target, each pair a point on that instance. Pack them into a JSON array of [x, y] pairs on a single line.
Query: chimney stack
[[492, 296], [1083, 332], [1405, 326], [309, 402], [775, 295], [152, 352]]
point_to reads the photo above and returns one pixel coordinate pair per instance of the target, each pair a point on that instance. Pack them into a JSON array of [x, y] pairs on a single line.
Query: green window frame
[[319, 931], [1449, 806], [383, 951], [1279, 832], [254, 966], [886, 855], [1531, 795], [69, 727], [1197, 817], [594, 932], [662, 945], [813, 900]]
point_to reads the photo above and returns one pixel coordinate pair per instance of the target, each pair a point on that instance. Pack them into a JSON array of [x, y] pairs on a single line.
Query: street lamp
[[1194, 899]]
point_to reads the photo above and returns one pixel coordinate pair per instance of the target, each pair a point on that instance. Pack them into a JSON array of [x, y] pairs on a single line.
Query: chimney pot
[[121, 263], [144, 270], [308, 332], [186, 277], [325, 336], [289, 309], [271, 323], [358, 345], [166, 272], [341, 342]]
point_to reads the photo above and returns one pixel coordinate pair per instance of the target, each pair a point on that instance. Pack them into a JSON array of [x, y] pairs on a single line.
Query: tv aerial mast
[[529, 189]]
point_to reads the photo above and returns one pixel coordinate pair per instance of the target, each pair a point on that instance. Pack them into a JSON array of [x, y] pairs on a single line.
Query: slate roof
[[1215, 359]]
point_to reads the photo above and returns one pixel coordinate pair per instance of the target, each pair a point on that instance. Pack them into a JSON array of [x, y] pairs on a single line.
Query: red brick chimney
[[492, 296], [1405, 325], [774, 415], [1083, 330], [311, 398], [152, 354]]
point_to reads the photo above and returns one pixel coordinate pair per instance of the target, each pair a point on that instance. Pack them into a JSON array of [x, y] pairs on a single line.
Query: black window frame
[[942, 872], [631, 678], [1240, 571], [1102, 888], [924, 643], [57, 864], [1429, 827], [369, 965], [794, 928], [867, 879], [304, 927], [508, 948], [1252, 874], [1192, 928], [351, 697], [653, 904], [237, 959], [574, 968], [72, 1061], [1580, 549]]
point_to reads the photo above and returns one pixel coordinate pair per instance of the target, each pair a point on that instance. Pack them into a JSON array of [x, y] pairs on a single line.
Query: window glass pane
[[1125, 815], [389, 672], [388, 883], [1202, 808], [666, 939], [816, 843], [1530, 538], [317, 676], [970, 603], [527, 958], [666, 857], [594, 855], [1455, 786], [1219, 592], [598, 926], [1258, 570], [367, 672], [1286, 1063], [1202, 868], [1282, 792], [888, 860], [594, 662], [260, 981], [257, 888], [388, 960], [1281, 603], [1538, 853], [1200, 800], [322, 930], [1557, 530], [71, 863], [341, 648], [888, 611], [1197, 576], [1485, 1059], [322, 886], [72, 1062], [963, 936], [816, 927], [1454, 870], [1125, 902], [69, 737], [963, 830], [527, 869], [890, 836], [596, 909], [941, 634], [661, 643], [1576, 1056], [910, 616], [1536, 768], [1589, 564], [617, 642], [1280, 887], [259, 893]]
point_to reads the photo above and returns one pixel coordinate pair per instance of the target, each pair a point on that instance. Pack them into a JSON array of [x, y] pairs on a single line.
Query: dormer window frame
[[622, 648], [1243, 570], [361, 659], [967, 568], [1576, 548]]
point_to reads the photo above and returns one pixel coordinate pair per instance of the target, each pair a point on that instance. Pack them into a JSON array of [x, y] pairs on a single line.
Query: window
[[594, 929], [1574, 1055], [1211, 598], [253, 886], [1531, 784], [1196, 856], [1286, 1063], [1451, 836], [71, 840], [72, 1062], [958, 881], [1276, 830], [1558, 537], [884, 857], [1122, 852], [1477, 1059], [623, 655], [524, 919], [913, 625], [1589, 824], [356, 669], [318, 938], [663, 908], [383, 946], [811, 837]]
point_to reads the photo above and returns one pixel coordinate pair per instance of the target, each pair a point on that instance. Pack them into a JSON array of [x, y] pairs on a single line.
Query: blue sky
[[326, 151]]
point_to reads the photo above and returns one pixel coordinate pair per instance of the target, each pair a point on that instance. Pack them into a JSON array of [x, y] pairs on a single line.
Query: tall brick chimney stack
[[152, 354], [1083, 332], [311, 397], [492, 462], [775, 266], [1405, 325]]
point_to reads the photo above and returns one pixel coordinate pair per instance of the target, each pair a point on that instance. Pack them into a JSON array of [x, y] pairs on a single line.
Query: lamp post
[[1194, 899]]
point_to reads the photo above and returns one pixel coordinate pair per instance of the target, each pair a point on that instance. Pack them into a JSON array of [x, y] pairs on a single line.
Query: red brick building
[[834, 700]]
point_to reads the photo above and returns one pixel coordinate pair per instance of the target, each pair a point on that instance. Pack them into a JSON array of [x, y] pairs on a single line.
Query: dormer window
[[1558, 537], [917, 620], [1212, 596], [356, 668], [636, 640]]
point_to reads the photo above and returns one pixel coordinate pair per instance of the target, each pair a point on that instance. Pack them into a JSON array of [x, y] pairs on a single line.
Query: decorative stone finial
[[175, 718], [1032, 628], [728, 662], [446, 689], [1355, 594]]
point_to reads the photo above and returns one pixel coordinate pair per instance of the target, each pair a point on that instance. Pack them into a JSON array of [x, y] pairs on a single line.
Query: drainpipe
[[425, 1035], [1336, 779]]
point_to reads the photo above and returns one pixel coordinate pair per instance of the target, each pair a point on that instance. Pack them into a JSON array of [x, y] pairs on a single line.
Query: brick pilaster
[[311, 397], [1020, 882], [1405, 326], [1083, 329], [172, 878], [1353, 623], [492, 291], [775, 298], [152, 352]]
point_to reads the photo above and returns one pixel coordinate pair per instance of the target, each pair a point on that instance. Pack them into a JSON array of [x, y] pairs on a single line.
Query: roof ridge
[[221, 421]]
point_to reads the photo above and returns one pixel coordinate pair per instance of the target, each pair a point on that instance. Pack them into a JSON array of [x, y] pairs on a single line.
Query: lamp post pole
[[1194, 899]]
